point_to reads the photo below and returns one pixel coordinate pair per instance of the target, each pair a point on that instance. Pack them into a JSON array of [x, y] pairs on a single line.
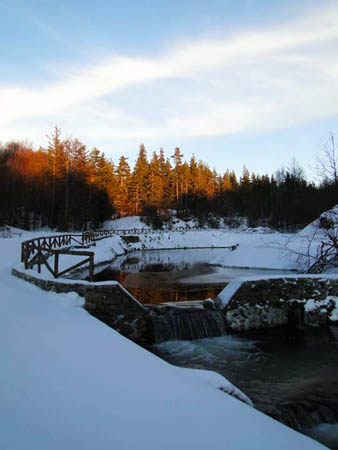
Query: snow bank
[[224, 297], [304, 248], [125, 223], [314, 227]]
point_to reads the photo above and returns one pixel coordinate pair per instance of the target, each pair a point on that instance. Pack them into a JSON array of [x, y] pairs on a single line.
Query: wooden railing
[[101, 234], [96, 235], [37, 252]]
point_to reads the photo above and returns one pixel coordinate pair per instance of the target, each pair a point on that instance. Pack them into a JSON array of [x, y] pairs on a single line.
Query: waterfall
[[179, 324]]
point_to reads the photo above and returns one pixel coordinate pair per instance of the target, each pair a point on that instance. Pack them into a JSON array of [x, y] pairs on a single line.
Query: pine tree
[[226, 182], [57, 161], [123, 178], [155, 182], [178, 175], [139, 182]]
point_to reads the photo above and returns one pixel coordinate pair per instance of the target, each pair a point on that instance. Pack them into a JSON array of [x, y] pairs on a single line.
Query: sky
[[245, 82]]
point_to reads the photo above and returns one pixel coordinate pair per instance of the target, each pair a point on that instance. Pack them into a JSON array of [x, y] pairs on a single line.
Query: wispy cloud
[[254, 80]]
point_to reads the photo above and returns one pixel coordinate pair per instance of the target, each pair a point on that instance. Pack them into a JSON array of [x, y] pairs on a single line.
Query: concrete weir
[[245, 304], [278, 301]]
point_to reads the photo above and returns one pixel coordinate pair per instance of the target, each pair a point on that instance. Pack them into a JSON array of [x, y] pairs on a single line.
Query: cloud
[[254, 80]]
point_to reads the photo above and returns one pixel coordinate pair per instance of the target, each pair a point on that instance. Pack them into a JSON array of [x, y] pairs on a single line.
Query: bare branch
[[327, 161], [316, 248]]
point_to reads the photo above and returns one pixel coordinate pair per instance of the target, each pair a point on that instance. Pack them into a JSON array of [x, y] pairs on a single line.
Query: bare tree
[[316, 248], [327, 161], [296, 170], [293, 169]]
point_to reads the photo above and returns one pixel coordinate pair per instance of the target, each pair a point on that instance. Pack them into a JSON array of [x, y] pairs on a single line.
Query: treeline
[[62, 186], [66, 186]]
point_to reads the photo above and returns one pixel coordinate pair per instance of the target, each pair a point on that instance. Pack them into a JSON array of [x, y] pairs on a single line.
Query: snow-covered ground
[[70, 382], [255, 250]]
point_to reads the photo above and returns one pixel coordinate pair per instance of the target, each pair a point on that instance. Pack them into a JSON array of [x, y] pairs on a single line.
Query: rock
[[209, 304]]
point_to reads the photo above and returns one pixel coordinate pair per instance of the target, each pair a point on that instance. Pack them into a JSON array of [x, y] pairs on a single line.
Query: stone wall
[[107, 301], [277, 301], [118, 309], [246, 305]]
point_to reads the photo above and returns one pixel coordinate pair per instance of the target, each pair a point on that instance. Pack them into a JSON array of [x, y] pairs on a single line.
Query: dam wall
[[254, 303]]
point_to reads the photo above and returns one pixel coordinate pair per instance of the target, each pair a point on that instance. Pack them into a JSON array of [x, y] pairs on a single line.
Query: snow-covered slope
[[70, 382], [314, 227], [305, 249]]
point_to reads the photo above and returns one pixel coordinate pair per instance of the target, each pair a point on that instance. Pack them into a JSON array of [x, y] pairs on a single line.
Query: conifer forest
[[69, 187]]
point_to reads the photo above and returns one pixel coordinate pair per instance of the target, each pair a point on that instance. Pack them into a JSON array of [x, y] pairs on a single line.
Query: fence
[[37, 252]]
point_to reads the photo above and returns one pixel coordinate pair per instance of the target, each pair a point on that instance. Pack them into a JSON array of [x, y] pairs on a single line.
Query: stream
[[289, 375]]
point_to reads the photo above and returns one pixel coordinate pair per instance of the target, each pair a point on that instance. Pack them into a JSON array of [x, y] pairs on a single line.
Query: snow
[[70, 382], [226, 294], [304, 245], [314, 227], [312, 305], [334, 314], [255, 250], [126, 223]]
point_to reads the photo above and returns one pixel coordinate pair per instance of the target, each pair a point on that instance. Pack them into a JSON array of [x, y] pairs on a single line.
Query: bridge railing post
[[39, 260], [56, 264], [91, 267]]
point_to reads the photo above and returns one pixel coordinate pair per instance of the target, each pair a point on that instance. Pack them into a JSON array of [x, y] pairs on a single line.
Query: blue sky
[[235, 82]]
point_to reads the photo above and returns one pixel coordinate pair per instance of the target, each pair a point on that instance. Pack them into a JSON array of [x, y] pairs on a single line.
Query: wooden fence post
[[56, 265], [39, 261], [91, 267]]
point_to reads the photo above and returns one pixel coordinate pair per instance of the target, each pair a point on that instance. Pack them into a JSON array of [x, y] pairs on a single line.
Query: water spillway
[[178, 324]]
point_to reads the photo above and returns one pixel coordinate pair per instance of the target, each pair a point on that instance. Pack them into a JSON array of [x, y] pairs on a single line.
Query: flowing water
[[291, 375], [194, 323]]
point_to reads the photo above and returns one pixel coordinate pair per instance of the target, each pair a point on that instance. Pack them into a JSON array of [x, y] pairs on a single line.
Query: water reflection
[[154, 277], [156, 296]]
